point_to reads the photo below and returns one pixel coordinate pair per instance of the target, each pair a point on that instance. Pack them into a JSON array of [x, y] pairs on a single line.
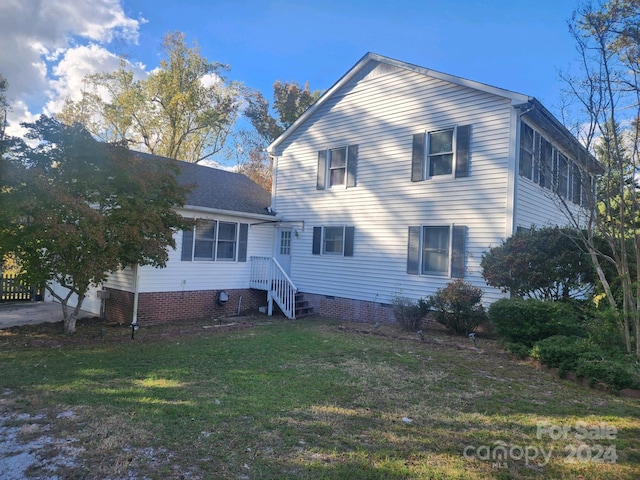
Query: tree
[[545, 264], [289, 102], [112, 107], [4, 107], [75, 210], [607, 93], [183, 110]]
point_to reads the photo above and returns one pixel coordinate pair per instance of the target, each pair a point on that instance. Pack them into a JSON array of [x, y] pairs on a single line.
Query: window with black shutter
[[436, 250], [333, 240], [444, 152], [337, 167]]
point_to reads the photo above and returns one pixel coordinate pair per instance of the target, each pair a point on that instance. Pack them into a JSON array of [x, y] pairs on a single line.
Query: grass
[[305, 400]]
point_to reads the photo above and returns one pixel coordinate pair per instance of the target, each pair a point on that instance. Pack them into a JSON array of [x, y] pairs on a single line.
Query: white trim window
[[443, 152], [437, 250], [213, 240], [333, 240], [337, 167], [541, 162]]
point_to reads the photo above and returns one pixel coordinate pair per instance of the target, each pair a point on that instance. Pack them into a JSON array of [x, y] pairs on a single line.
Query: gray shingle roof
[[219, 189]]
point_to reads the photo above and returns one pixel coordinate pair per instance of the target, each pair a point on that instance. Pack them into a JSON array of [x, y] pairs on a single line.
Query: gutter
[[230, 213]]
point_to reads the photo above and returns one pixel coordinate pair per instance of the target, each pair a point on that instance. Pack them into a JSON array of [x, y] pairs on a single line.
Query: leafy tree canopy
[[183, 110], [72, 209], [545, 263], [289, 102]]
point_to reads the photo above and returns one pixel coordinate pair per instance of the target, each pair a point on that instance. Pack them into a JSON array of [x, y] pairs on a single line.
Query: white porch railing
[[267, 274]]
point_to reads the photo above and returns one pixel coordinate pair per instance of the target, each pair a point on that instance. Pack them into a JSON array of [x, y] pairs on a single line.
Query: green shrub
[[564, 352], [603, 328], [527, 321], [458, 306], [616, 373], [588, 360], [518, 349], [408, 313]]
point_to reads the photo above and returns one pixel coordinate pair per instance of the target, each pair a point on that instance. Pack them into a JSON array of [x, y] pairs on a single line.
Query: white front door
[[283, 249]]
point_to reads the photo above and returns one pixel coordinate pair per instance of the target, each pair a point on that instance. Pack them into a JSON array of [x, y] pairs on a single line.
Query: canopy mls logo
[[500, 453]]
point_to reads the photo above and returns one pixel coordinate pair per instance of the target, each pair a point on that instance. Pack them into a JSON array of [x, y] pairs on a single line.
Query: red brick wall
[[351, 310], [160, 307], [119, 306]]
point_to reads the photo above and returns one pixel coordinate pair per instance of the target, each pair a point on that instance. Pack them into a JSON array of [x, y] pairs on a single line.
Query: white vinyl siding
[[381, 114], [210, 275], [550, 173]]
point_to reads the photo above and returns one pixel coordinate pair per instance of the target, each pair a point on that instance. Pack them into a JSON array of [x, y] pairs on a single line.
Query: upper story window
[[215, 240], [540, 161], [442, 152], [337, 167]]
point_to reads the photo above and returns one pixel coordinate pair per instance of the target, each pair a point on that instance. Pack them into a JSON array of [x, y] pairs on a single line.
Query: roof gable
[[372, 65]]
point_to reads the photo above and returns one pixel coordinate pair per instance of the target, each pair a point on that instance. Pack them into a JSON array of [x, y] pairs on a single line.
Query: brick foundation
[[162, 307], [351, 310]]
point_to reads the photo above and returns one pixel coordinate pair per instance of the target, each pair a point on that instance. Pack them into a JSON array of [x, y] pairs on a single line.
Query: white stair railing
[[267, 274]]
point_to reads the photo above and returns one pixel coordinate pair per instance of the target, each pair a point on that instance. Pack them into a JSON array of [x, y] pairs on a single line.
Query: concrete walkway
[[31, 313]]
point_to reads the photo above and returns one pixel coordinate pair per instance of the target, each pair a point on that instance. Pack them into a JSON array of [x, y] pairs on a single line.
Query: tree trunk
[[70, 315]]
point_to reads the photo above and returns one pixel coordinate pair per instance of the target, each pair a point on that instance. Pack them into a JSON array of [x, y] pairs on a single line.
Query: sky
[[48, 46]]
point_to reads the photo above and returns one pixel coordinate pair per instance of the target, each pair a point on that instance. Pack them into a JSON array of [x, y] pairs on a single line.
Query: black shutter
[[413, 254], [463, 138], [417, 158], [317, 240], [322, 170], [458, 251], [352, 165], [349, 233], [187, 245], [242, 243]]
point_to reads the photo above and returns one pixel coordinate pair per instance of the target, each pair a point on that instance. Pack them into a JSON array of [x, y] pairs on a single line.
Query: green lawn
[[306, 399]]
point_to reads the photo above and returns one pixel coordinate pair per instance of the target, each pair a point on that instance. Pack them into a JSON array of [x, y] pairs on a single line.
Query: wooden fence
[[12, 289]]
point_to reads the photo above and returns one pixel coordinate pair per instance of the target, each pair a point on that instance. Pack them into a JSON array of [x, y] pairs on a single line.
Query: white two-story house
[[399, 178], [393, 183]]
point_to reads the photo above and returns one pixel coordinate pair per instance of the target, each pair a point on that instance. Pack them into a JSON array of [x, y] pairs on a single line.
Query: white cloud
[[74, 66], [42, 38]]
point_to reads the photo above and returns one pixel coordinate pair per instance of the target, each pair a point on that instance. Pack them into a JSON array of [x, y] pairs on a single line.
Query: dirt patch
[[94, 331]]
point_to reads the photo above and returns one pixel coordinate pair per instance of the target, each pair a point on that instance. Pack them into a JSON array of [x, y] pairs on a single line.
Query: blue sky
[[519, 45]]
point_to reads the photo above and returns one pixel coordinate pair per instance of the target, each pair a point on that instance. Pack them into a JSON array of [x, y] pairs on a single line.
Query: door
[[283, 249]]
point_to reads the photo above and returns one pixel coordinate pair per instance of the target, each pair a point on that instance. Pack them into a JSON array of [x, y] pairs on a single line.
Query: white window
[[215, 240], [227, 239], [437, 250], [334, 240], [444, 152], [440, 153], [526, 151], [205, 240], [337, 167]]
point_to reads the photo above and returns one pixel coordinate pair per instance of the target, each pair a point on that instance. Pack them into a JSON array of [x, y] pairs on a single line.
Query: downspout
[[136, 281]]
